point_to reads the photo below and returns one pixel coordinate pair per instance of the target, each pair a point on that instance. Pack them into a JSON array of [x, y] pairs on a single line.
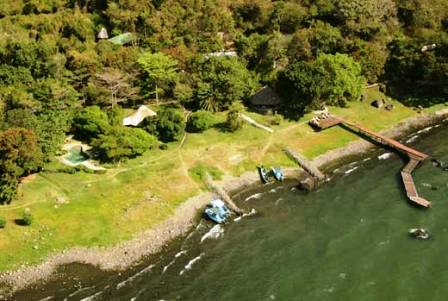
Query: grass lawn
[[102, 209]]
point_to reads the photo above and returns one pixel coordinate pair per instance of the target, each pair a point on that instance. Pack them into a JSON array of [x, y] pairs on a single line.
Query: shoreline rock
[[128, 253]]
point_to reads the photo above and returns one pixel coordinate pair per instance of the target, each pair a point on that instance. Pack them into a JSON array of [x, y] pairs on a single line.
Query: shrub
[[168, 125], [200, 121], [90, 123], [27, 217], [122, 142], [233, 121], [2, 222]]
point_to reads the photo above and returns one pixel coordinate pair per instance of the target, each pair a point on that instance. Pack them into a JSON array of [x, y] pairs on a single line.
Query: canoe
[[217, 211], [278, 173], [263, 174]]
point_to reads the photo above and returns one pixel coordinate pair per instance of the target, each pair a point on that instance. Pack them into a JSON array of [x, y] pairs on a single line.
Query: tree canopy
[[330, 79], [57, 77]]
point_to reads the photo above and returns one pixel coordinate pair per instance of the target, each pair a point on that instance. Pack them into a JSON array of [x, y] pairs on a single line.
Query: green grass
[[103, 209]]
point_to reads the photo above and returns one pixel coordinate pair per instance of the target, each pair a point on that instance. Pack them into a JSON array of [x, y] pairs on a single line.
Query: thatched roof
[[102, 34], [138, 116], [266, 96]]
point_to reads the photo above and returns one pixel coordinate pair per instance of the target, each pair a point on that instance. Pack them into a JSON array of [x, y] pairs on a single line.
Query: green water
[[347, 241], [76, 155]]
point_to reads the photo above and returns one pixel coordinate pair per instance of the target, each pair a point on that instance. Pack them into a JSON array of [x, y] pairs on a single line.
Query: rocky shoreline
[[126, 254]]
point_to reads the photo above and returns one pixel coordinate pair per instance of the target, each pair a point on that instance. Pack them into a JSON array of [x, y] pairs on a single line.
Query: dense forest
[[61, 73]]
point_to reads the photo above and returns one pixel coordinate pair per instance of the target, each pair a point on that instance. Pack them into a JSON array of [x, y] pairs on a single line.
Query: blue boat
[[263, 174], [278, 173], [217, 211]]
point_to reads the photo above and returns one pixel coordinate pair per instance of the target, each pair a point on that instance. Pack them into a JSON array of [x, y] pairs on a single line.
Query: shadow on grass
[[222, 127], [20, 222], [414, 94]]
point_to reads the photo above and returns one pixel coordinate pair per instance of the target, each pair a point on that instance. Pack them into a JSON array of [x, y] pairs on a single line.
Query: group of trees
[[56, 77]]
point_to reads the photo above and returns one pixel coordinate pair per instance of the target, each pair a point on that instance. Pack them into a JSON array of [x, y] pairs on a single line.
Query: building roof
[[135, 119], [122, 39], [266, 96], [103, 34]]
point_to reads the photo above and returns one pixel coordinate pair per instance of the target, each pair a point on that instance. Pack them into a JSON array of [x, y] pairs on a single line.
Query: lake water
[[346, 241]]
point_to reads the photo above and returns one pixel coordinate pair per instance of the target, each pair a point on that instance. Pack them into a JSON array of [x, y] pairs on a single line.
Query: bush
[[27, 217], [2, 222], [234, 122], [168, 125], [90, 123], [200, 121], [122, 142]]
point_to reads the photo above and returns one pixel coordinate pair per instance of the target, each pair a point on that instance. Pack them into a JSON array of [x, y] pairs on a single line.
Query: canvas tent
[[135, 119], [102, 34]]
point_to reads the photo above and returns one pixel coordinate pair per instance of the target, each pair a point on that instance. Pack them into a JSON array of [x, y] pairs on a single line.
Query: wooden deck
[[415, 156]]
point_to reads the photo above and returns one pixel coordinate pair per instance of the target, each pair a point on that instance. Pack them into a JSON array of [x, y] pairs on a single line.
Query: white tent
[[102, 34], [138, 116]]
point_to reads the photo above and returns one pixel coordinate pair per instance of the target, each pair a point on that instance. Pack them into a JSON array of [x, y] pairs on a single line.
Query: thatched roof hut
[[265, 98]]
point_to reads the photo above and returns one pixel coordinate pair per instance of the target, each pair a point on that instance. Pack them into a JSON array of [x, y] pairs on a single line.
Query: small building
[[102, 35], [265, 99], [136, 118], [230, 53]]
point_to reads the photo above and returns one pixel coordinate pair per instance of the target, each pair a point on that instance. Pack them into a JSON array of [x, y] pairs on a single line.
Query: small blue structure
[[217, 211], [278, 173]]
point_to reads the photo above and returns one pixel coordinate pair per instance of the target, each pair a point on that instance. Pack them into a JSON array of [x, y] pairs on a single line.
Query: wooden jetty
[[223, 195], [317, 177], [306, 164], [415, 157]]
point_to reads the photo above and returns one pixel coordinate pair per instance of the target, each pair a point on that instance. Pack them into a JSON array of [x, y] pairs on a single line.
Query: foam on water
[[215, 232], [412, 139], [178, 254], [255, 196], [92, 297], [351, 170], [130, 279], [78, 291], [250, 213], [384, 156], [191, 263], [427, 129]]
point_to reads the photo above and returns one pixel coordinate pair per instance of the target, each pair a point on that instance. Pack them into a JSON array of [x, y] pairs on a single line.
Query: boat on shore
[[264, 176], [419, 233], [278, 173], [217, 211]]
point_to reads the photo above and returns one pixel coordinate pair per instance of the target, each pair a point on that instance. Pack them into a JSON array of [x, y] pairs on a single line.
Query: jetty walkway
[[415, 157]]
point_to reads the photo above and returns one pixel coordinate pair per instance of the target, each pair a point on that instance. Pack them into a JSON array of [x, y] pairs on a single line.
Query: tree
[[220, 81], [233, 120], [27, 217], [49, 127], [199, 121], [331, 79], [168, 125], [120, 90], [123, 142], [366, 17], [159, 68], [19, 156], [90, 122]]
